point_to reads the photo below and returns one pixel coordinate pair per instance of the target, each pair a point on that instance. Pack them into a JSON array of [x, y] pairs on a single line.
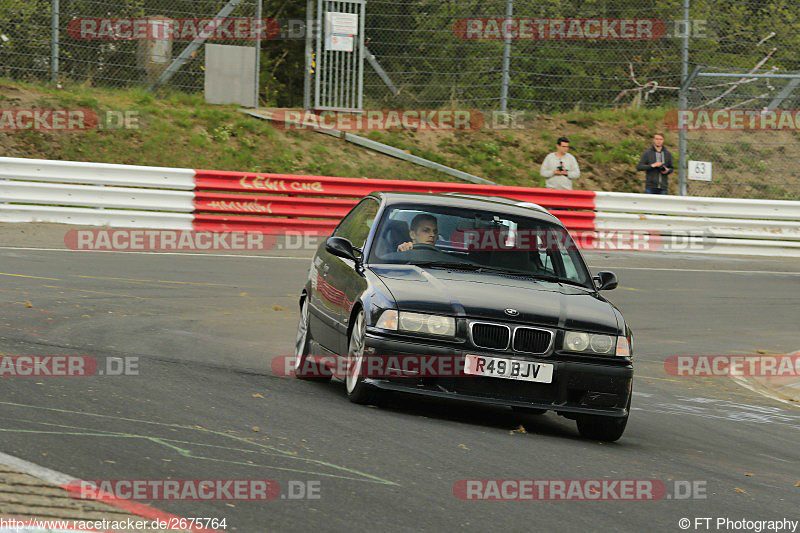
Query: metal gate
[[337, 63]]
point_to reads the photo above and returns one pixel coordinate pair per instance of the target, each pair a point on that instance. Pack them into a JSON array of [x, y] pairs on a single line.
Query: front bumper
[[578, 387]]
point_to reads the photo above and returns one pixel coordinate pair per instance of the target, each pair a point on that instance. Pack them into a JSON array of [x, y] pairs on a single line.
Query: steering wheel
[[424, 246]]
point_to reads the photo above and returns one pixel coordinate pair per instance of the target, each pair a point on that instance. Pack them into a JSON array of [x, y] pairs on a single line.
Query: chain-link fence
[[573, 54], [440, 53], [443, 52], [745, 124], [88, 48]]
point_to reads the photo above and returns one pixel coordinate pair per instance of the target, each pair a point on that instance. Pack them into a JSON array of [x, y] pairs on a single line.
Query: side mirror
[[341, 247], [605, 281]]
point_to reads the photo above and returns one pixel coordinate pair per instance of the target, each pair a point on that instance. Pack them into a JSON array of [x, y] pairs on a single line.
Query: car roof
[[498, 204]]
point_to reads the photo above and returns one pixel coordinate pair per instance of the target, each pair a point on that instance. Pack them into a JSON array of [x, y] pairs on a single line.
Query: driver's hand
[[406, 246]]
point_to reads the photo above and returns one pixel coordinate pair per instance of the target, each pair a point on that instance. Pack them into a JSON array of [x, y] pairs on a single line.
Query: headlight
[[601, 343], [441, 325], [444, 326], [576, 341], [412, 322]]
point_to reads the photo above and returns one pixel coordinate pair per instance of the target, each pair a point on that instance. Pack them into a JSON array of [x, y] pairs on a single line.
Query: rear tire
[[304, 368], [357, 390]]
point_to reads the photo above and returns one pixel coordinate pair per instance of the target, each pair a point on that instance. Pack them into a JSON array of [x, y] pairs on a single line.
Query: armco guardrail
[[33, 190], [205, 200], [712, 225]]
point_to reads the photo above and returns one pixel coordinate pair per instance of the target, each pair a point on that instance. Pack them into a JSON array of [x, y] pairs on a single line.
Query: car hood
[[486, 296]]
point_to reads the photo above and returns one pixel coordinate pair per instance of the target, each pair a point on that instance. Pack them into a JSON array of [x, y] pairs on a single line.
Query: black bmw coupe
[[494, 284]]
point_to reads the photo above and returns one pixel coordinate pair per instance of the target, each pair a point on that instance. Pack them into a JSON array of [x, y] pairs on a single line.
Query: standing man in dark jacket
[[656, 162]]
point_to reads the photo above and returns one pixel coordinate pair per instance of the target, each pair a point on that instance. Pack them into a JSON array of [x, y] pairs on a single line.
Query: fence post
[[259, 22], [54, 48], [683, 99], [506, 60], [310, 27]]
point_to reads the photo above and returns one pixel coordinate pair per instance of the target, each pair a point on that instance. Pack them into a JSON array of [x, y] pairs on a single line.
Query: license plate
[[497, 367]]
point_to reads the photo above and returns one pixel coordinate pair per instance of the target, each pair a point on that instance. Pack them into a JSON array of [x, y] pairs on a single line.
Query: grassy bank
[[181, 130]]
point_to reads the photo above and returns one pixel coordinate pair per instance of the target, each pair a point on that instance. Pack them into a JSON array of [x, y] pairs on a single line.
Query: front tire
[[357, 390], [304, 368], [603, 428]]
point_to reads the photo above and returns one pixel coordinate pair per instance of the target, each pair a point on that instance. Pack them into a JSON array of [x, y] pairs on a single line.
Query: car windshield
[[478, 240]]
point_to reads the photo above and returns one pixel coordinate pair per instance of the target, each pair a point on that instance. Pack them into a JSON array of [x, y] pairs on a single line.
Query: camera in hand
[[561, 166]]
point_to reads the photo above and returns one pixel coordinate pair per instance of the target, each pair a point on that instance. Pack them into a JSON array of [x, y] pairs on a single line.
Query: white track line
[[157, 253], [712, 271]]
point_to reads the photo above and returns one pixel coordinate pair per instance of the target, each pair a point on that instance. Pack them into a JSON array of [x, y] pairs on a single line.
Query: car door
[[322, 325], [345, 282]]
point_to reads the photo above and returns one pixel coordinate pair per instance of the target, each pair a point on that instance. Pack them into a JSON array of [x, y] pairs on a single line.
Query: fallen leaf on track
[[520, 429], [258, 395], [740, 491]]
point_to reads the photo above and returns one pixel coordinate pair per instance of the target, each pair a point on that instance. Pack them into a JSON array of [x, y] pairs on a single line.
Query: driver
[[424, 230]]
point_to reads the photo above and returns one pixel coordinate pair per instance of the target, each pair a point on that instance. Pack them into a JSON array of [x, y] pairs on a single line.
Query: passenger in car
[[424, 230]]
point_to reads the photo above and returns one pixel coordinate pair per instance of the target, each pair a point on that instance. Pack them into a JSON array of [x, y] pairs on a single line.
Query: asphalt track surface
[[206, 326]]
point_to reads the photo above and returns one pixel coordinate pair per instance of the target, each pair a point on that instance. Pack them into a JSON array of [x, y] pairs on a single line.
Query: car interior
[[395, 231]]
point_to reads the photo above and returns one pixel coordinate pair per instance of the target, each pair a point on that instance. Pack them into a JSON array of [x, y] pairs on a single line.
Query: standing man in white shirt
[[560, 167]]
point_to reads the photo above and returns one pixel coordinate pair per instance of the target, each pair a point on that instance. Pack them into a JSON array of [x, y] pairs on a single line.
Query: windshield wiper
[[496, 270], [448, 264], [533, 275], [556, 279]]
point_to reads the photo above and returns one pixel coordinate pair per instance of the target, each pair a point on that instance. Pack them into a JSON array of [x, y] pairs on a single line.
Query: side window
[[356, 225]]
